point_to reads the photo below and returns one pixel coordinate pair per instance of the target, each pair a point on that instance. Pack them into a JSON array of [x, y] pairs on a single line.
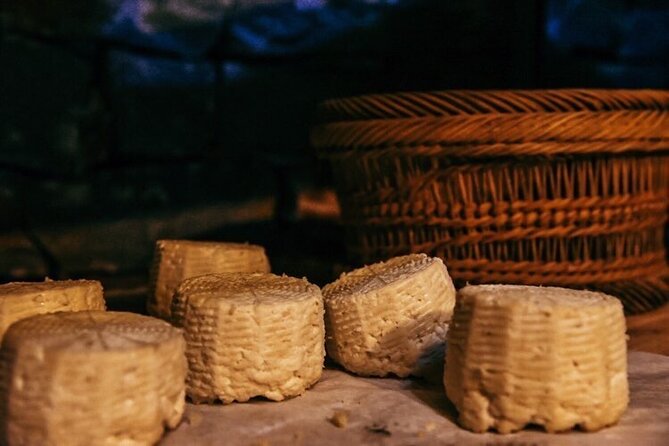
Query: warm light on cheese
[[250, 335], [177, 260], [19, 300], [541, 355], [390, 317], [90, 378]]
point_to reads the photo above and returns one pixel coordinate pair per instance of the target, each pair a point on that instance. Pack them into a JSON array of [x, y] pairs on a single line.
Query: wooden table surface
[[649, 332]]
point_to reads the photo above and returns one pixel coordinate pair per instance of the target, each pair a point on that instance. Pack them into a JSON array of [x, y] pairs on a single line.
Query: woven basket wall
[[550, 187]]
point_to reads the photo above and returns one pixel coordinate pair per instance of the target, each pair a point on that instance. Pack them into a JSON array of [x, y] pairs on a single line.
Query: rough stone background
[[124, 121]]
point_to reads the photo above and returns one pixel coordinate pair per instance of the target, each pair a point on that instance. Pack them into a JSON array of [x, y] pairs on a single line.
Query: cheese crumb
[[340, 418]]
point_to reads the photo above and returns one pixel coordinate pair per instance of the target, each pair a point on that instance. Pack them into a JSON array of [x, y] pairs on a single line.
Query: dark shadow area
[[437, 400], [114, 118]]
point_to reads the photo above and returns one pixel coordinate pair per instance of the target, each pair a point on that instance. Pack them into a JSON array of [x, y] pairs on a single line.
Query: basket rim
[[413, 104], [489, 135], [499, 151]]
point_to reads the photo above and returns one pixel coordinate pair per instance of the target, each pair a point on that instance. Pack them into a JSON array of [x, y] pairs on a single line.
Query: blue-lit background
[[122, 121]]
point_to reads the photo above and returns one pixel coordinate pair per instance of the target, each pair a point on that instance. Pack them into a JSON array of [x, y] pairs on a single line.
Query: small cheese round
[[250, 335], [19, 300], [91, 378], [177, 260], [390, 317], [548, 356]]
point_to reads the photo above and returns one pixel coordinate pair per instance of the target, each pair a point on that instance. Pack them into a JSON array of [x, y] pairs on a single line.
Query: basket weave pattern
[[507, 192]]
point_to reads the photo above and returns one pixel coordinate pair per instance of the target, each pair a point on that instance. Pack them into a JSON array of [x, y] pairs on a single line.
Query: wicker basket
[[546, 187]]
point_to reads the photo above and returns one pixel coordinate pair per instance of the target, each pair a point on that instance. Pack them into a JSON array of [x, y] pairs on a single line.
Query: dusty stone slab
[[400, 412]]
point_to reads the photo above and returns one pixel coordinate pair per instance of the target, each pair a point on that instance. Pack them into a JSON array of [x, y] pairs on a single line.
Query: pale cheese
[[390, 317], [19, 300], [547, 356], [250, 335], [90, 378], [177, 260]]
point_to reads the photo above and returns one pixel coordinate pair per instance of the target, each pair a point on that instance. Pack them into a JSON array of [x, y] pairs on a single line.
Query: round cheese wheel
[[390, 317], [547, 356], [19, 300], [177, 260], [90, 378], [250, 335]]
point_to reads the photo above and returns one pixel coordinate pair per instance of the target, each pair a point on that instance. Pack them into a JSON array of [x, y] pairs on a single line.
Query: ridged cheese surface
[[177, 260], [250, 335], [536, 355], [19, 300], [90, 378], [390, 317]]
